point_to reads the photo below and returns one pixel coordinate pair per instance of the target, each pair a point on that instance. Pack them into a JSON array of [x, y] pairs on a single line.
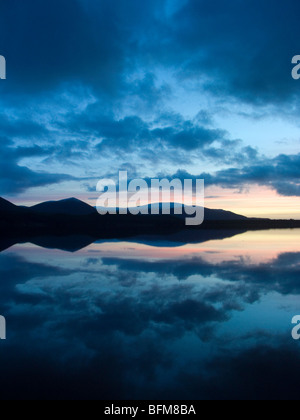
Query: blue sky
[[163, 87]]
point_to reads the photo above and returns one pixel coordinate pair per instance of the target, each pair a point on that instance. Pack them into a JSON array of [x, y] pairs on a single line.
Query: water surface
[[129, 320]]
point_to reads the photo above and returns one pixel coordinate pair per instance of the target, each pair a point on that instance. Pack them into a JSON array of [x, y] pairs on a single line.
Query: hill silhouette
[[71, 206], [6, 206], [72, 224], [210, 214]]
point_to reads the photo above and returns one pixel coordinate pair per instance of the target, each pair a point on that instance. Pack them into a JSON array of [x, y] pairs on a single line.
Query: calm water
[[122, 320]]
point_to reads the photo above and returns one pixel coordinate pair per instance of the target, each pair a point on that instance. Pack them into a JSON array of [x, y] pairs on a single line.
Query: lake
[[144, 319]]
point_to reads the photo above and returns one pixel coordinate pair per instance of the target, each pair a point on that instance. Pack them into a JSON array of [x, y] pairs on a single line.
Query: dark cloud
[[15, 178], [122, 63], [134, 134], [61, 44], [189, 136], [243, 48], [72, 41], [147, 92], [240, 48], [21, 128], [280, 173]]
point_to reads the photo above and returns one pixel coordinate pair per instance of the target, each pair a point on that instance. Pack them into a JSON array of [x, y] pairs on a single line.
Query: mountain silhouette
[[72, 224], [6, 206], [210, 214], [70, 206]]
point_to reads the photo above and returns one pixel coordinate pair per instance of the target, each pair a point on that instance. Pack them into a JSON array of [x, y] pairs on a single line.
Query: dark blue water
[[123, 320]]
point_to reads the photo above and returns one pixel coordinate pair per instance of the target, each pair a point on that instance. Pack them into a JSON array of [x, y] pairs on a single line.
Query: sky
[[163, 88]]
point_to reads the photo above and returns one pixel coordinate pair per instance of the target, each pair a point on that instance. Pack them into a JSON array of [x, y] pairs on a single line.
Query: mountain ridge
[[71, 231], [71, 206], [75, 207], [7, 205]]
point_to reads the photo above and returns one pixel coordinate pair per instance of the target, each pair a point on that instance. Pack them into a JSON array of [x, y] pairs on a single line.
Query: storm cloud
[[93, 85]]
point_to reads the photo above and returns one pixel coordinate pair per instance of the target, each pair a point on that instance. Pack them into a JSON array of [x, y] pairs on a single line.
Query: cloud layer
[[95, 85]]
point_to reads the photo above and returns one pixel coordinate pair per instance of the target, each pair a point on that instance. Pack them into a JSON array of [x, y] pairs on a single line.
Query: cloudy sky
[[177, 88]]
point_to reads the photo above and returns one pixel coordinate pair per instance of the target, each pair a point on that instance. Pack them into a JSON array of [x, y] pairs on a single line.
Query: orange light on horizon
[[257, 201], [254, 247]]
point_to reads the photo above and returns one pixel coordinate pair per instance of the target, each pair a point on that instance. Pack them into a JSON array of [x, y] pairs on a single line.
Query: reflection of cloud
[[279, 275], [263, 372], [16, 270], [120, 332]]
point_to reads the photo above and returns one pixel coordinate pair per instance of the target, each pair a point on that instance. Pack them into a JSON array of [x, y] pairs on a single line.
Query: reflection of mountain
[[71, 243], [185, 237], [71, 225]]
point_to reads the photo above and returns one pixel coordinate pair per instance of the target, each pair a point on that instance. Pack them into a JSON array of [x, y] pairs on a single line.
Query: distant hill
[[6, 206], [212, 215], [71, 224], [209, 214], [71, 206], [75, 207]]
